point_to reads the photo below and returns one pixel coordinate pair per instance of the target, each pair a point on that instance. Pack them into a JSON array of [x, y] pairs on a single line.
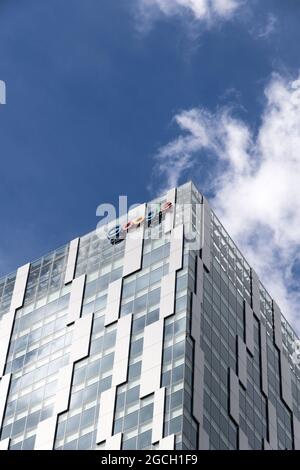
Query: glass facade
[[155, 342]]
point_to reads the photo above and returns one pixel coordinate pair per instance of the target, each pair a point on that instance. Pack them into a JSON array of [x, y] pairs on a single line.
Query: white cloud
[[256, 182], [200, 10], [266, 30]]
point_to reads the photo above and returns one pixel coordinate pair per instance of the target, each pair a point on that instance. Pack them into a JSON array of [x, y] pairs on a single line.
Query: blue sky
[[99, 93]]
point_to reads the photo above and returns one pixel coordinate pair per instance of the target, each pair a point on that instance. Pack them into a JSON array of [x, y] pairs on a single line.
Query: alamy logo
[[2, 92], [154, 222]]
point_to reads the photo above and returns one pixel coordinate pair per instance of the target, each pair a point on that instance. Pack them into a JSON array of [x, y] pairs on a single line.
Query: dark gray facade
[[164, 340]]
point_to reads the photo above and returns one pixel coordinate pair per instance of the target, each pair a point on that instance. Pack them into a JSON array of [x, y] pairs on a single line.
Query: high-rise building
[[157, 336]]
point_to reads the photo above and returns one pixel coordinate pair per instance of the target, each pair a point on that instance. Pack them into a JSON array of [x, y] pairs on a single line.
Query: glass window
[[85, 442], [88, 417], [107, 362], [72, 424], [129, 444], [146, 413], [144, 439], [131, 420], [132, 395]]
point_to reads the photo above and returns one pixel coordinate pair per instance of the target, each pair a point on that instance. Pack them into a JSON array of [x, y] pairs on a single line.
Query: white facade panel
[[71, 262], [76, 297], [167, 443], [176, 249], [113, 301], [114, 442], [158, 415], [20, 287], [81, 338], [63, 389], [4, 388], [167, 295], [6, 325], [170, 214], [152, 358], [134, 243], [121, 357], [45, 434], [4, 444], [106, 415]]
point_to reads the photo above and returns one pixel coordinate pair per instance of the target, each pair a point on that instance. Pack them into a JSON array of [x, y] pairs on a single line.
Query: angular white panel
[[134, 244], [113, 302], [234, 403], [122, 350], [170, 214], [6, 325], [249, 319], [114, 442], [176, 249], [296, 433], [286, 381], [76, 297], [196, 317], [20, 287], [7, 321], [167, 295], [158, 415], [243, 441], [4, 445], [167, 443], [266, 445], [273, 439], [277, 326], [81, 338], [198, 385], [152, 358], [72, 258], [206, 234], [45, 434], [63, 389], [106, 415], [4, 388], [203, 439], [242, 361], [133, 251], [255, 297]]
